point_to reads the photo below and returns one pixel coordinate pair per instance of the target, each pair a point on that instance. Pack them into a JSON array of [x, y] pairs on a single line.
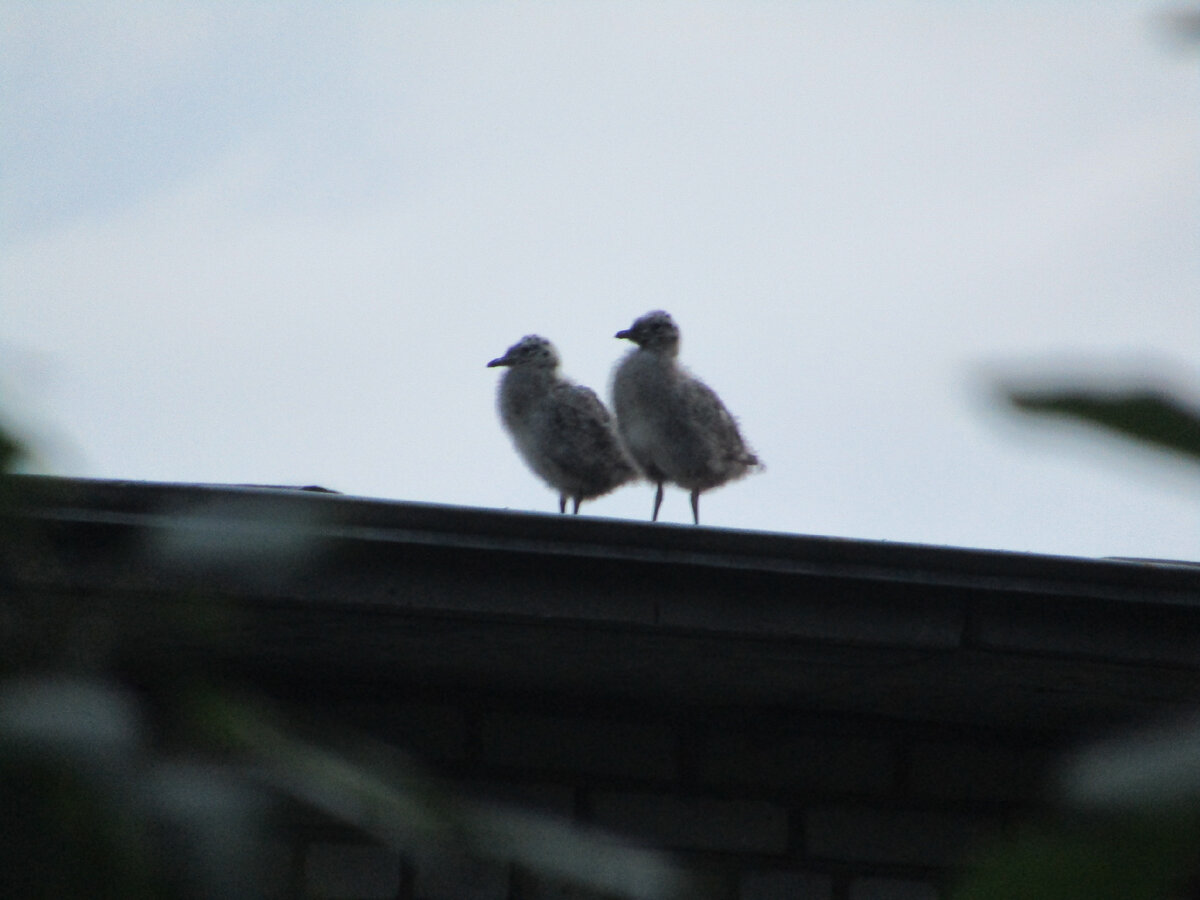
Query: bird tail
[[752, 462]]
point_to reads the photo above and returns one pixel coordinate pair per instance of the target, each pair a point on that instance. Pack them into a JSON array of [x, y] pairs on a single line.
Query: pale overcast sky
[[278, 243]]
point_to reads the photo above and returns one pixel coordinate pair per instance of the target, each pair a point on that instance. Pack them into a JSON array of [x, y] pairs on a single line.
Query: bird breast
[[674, 426]]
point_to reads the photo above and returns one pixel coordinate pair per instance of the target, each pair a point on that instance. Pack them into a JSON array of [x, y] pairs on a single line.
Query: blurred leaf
[[67, 750], [1156, 769], [1182, 24], [377, 790], [1150, 416], [212, 821], [66, 838], [10, 451], [1135, 858]]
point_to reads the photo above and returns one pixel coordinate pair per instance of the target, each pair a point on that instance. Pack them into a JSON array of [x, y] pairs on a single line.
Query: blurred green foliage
[[127, 771], [1101, 857], [1129, 824], [1153, 417]]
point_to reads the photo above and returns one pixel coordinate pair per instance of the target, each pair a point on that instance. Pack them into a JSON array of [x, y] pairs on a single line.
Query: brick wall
[[768, 804]]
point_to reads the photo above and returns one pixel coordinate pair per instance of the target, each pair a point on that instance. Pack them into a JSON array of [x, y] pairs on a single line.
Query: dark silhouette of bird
[[561, 429], [673, 425]]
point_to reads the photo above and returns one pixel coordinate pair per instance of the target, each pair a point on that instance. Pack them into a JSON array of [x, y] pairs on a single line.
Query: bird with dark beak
[[673, 426]]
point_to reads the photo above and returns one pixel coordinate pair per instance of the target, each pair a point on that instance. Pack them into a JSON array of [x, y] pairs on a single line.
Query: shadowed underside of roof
[[332, 586]]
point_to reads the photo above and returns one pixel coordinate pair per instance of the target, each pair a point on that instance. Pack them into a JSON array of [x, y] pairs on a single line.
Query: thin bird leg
[[696, 507], [562, 503], [575, 511], [657, 503]]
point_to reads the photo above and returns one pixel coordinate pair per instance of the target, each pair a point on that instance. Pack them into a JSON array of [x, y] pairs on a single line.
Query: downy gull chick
[[674, 426], [561, 429]]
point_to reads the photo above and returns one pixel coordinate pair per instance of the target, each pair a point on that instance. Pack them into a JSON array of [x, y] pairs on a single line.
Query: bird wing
[[586, 429], [715, 421]]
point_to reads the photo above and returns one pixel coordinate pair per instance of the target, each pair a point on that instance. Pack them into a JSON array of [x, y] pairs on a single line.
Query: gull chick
[[674, 426], [561, 429]]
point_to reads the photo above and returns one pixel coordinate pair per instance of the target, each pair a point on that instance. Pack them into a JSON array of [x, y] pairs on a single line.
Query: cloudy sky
[[278, 242]]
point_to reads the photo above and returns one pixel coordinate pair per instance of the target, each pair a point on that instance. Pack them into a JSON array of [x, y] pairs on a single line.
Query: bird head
[[655, 331], [531, 351]]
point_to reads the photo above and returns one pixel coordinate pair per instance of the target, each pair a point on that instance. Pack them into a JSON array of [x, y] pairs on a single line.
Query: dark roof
[[651, 613]]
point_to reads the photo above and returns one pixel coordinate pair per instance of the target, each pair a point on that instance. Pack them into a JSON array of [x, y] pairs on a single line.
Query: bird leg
[[657, 503], [696, 507], [575, 511], [562, 503]]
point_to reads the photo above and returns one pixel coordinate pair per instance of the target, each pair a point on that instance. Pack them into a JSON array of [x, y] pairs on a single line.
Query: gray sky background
[[278, 243]]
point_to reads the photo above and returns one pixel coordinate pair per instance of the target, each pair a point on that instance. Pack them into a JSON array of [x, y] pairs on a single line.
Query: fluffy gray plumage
[[561, 429], [674, 426]]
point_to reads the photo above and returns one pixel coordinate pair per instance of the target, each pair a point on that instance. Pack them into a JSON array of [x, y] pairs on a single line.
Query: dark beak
[[499, 361], [625, 335]]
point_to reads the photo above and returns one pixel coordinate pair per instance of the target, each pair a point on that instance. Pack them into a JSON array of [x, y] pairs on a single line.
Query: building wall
[[769, 804]]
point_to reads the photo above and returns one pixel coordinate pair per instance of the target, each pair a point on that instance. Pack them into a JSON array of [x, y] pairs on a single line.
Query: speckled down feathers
[[561, 429], [674, 427]]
